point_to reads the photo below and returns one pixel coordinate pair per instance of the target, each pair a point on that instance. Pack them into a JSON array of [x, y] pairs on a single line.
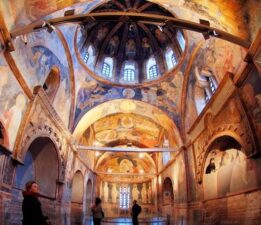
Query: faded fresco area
[[36, 60], [13, 103], [216, 58], [227, 172], [251, 95]]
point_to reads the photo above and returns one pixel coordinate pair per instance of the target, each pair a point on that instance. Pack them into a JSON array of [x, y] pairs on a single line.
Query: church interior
[[157, 101]]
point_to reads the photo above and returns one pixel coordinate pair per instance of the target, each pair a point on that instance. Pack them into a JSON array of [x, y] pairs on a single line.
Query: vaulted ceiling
[[108, 113]]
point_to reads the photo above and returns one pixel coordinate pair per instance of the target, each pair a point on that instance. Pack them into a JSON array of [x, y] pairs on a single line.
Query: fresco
[[142, 192], [251, 95], [227, 172], [35, 61], [127, 126], [12, 102], [128, 163], [165, 96]]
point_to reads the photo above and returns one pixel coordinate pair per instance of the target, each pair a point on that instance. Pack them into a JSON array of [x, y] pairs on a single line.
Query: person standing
[[97, 212], [31, 207], [135, 211]]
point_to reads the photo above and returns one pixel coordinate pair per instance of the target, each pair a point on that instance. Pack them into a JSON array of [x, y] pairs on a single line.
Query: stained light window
[[107, 67], [181, 40], [129, 72], [124, 197], [171, 58], [152, 69]]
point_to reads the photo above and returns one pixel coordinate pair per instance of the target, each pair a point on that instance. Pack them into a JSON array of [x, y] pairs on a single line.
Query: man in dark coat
[[32, 211], [135, 211]]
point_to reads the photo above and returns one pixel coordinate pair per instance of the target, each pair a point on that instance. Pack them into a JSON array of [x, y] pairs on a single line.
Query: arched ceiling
[[111, 115]]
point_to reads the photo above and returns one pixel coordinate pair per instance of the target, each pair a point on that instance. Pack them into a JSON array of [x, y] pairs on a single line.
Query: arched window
[[124, 197], [206, 85], [181, 40], [171, 58], [89, 56], [152, 69], [86, 56], [129, 72], [107, 67]]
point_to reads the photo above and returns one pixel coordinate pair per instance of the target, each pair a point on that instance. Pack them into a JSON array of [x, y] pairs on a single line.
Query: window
[[152, 69], [174, 59], [153, 72], [171, 58], [124, 197], [181, 40], [107, 67], [86, 57], [129, 72], [165, 157]]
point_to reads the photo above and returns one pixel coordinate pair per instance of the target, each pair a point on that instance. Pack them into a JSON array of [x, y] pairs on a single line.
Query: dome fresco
[[130, 51]]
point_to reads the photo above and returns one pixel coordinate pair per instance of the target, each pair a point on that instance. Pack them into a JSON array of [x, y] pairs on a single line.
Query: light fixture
[[97, 154], [141, 171], [141, 155], [109, 170]]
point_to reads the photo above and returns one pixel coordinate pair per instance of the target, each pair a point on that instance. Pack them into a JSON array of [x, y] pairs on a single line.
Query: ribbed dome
[[126, 50]]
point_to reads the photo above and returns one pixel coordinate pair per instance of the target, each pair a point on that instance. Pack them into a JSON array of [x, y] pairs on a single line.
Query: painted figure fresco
[[114, 193], [227, 172], [12, 103], [251, 95], [144, 193], [106, 192], [135, 192]]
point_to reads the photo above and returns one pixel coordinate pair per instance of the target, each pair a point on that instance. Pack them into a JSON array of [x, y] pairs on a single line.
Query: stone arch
[[41, 154], [226, 169], [129, 106], [207, 138], [77, 198], [167, 192], [43, 131]]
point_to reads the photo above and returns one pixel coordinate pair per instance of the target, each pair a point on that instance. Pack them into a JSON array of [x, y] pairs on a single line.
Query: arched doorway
[[168, 195], [40, 164], [88, 200], [77, 199]]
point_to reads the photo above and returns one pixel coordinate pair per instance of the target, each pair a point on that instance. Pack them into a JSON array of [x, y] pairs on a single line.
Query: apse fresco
[[12, 102], [142, 192], [251, 95], [129, 163], [130, 126], [227, 172]]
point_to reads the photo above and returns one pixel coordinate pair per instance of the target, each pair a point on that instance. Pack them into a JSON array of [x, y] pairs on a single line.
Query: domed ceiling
[[130, 51], [122, 76]]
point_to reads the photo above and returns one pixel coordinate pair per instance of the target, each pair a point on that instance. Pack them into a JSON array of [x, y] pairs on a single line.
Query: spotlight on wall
[[50, 27]]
